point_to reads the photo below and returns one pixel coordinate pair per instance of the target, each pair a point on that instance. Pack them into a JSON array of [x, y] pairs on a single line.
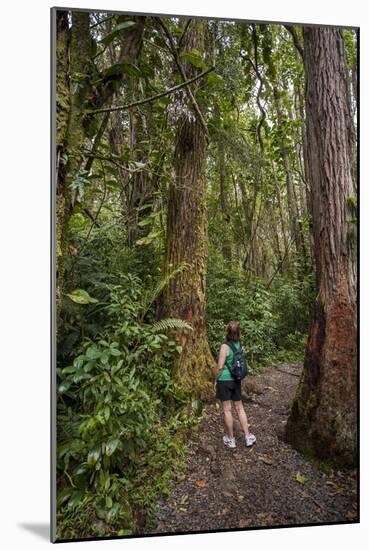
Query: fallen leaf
[[265, 517], [183, 509], [265, 459], [300, 478], [243, 523], [201, 483]]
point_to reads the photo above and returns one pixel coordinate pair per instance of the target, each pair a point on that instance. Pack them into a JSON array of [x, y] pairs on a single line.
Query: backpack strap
[[234, 349], [232, 346]]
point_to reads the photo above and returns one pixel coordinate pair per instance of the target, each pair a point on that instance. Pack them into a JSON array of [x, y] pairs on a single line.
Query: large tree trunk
[[184, 296], [62, 116], [323, 418]]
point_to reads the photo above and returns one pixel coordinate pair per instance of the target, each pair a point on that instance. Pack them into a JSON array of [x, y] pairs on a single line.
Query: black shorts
[[228, 390]]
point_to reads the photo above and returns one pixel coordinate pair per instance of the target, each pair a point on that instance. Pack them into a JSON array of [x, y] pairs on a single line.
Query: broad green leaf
[[110, 37], [80, 470], [75, 499], [64, 386], [146, 221], [197, 406], [116, 367], [78, 362], [149, 238], [93, 456], [80, 296], [214, 78], [101, 513], [92, 353], [107, 413], [68, 370], [104, 357], [111, 446], [194, 57], [113, 512]]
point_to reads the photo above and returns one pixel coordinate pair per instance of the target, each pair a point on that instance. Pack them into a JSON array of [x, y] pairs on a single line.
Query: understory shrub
[[121, 418]]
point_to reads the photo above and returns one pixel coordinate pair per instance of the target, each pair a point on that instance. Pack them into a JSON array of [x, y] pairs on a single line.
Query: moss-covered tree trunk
[[62, 117], [187, 236], [323, 418], [73, 47]]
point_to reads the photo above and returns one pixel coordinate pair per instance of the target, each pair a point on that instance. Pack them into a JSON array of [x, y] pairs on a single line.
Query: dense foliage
[[122, 413]]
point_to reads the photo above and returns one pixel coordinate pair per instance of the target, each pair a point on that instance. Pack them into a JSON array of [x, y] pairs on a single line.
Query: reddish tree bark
[[323, 418]]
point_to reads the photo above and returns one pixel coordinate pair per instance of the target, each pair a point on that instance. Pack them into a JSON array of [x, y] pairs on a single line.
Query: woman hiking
[[228, 389]]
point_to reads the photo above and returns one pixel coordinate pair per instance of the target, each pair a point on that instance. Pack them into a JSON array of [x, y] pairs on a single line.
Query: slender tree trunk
[[286, 261], [323, 418], [274, 234], [227, 245], [187, 242], [139, 189], [291, 197]]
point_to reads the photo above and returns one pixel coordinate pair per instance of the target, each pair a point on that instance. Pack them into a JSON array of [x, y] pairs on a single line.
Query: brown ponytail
[[233, 331]]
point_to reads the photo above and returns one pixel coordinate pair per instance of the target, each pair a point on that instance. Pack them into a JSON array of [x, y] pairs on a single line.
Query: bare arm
[[221, 360]]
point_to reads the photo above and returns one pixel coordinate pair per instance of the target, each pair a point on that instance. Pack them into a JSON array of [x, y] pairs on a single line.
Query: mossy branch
[[152, 98]]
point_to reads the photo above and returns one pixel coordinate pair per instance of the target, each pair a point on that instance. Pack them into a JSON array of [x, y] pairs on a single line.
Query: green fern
[[168, 324], [153, 293]]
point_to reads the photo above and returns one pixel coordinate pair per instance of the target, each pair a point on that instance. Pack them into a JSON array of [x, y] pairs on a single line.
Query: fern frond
[[167, 324], [153, 293]]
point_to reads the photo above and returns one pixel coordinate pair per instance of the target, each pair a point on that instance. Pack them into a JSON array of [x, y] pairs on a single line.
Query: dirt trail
[[226, 488]]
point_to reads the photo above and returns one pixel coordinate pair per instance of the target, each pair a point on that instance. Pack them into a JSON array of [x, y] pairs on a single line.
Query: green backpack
[[239, 366]]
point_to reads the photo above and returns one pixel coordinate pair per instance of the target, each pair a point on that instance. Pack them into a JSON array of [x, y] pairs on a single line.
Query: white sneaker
[[229, 441], [250, 440]]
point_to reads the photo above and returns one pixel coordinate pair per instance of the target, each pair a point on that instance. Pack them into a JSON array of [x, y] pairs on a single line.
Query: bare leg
[[242, 416], [228, 418]]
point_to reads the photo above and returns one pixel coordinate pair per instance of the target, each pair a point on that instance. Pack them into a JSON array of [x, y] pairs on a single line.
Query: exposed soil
[[226, 488]]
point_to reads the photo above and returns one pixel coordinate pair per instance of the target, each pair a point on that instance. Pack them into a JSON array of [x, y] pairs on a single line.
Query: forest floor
[[269, 484]]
